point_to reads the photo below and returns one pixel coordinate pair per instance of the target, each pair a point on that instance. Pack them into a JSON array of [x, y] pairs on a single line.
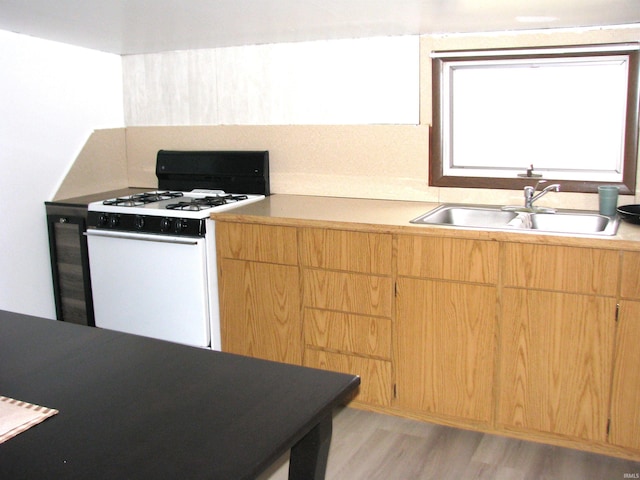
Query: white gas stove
[[152, 255], [164, 211]]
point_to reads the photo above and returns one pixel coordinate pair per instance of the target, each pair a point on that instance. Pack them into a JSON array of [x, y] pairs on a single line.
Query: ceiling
[[146, 26]]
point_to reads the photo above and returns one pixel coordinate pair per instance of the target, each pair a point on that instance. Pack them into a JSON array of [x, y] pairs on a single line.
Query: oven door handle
[[141, 237]]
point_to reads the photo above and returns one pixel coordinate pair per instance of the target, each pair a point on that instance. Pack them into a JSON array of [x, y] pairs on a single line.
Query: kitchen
[[309, 140]]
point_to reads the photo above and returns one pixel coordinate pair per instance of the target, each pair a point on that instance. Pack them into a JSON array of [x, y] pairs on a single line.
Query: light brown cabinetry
[[558, 320], [259, 287], [446, 326], [347, 306], [534, 340], [625, 407]]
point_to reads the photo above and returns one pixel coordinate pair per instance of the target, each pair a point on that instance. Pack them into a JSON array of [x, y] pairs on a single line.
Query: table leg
[[309, 456]]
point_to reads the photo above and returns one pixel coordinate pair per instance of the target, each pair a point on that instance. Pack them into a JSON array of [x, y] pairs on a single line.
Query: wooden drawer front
[[258, 243], [375, 375], [342, 250], [448, 259], [563, 269], [348, 292], [359, 334], [556, 360], [631, 275]]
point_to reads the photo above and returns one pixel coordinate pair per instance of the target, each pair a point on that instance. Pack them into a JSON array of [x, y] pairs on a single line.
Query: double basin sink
[[519, 219]]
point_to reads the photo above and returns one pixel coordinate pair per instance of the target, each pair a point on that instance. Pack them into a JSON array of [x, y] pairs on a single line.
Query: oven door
[[150, 285]]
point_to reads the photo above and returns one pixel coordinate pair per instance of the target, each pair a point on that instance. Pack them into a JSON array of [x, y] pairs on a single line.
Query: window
[[570, 112]]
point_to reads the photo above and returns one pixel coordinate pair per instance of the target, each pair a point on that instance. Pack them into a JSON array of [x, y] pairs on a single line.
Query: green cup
[[608, 200]]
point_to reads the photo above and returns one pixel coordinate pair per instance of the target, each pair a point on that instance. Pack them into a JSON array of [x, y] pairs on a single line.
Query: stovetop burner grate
[[138, 199], [204, 203]]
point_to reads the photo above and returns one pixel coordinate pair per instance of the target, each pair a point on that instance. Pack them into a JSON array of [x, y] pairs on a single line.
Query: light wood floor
[[371, 446]]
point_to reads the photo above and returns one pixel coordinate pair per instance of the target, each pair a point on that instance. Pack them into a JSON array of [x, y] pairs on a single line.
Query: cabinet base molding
[[537, 437]]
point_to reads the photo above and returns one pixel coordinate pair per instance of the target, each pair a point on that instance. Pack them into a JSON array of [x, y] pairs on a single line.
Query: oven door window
[[150, 285]]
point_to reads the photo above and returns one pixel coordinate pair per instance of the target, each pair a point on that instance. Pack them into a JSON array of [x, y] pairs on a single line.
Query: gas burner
[[232, 198], [124, 202], [195, 204], [150, 197], [139, 199], [190, 206]]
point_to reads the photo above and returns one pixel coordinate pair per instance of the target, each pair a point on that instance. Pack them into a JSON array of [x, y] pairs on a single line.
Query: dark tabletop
[[137, 408]]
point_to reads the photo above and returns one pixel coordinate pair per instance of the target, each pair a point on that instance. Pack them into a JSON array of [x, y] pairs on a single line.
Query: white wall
[[52, 96]]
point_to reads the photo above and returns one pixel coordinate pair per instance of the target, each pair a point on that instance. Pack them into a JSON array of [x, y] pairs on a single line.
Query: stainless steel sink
[[482, 216], [585, 223], [514, 218]]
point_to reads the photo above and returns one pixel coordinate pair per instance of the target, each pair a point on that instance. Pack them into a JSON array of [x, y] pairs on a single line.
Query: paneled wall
[[338, 82]]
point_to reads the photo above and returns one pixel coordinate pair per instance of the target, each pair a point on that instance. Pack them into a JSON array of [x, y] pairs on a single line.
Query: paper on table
[[17, 416]]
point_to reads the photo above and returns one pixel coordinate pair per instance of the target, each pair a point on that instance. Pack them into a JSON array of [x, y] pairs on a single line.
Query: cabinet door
[[556, 356], [446, 348], [260, 310], [625, 407]]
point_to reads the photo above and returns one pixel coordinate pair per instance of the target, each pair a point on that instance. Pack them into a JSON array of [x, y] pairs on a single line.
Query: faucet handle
[[529, 191], [538, 183]]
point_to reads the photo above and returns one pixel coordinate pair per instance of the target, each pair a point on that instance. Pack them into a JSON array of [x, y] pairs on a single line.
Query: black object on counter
[[630, 213]]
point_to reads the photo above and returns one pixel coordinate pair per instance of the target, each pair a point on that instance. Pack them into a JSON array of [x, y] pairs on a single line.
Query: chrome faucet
[[529, 193]]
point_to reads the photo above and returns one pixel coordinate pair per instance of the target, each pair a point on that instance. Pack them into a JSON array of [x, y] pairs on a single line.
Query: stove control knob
[[114, 221], [165, 224], [139, 222], [103, 220], [181, 224]]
